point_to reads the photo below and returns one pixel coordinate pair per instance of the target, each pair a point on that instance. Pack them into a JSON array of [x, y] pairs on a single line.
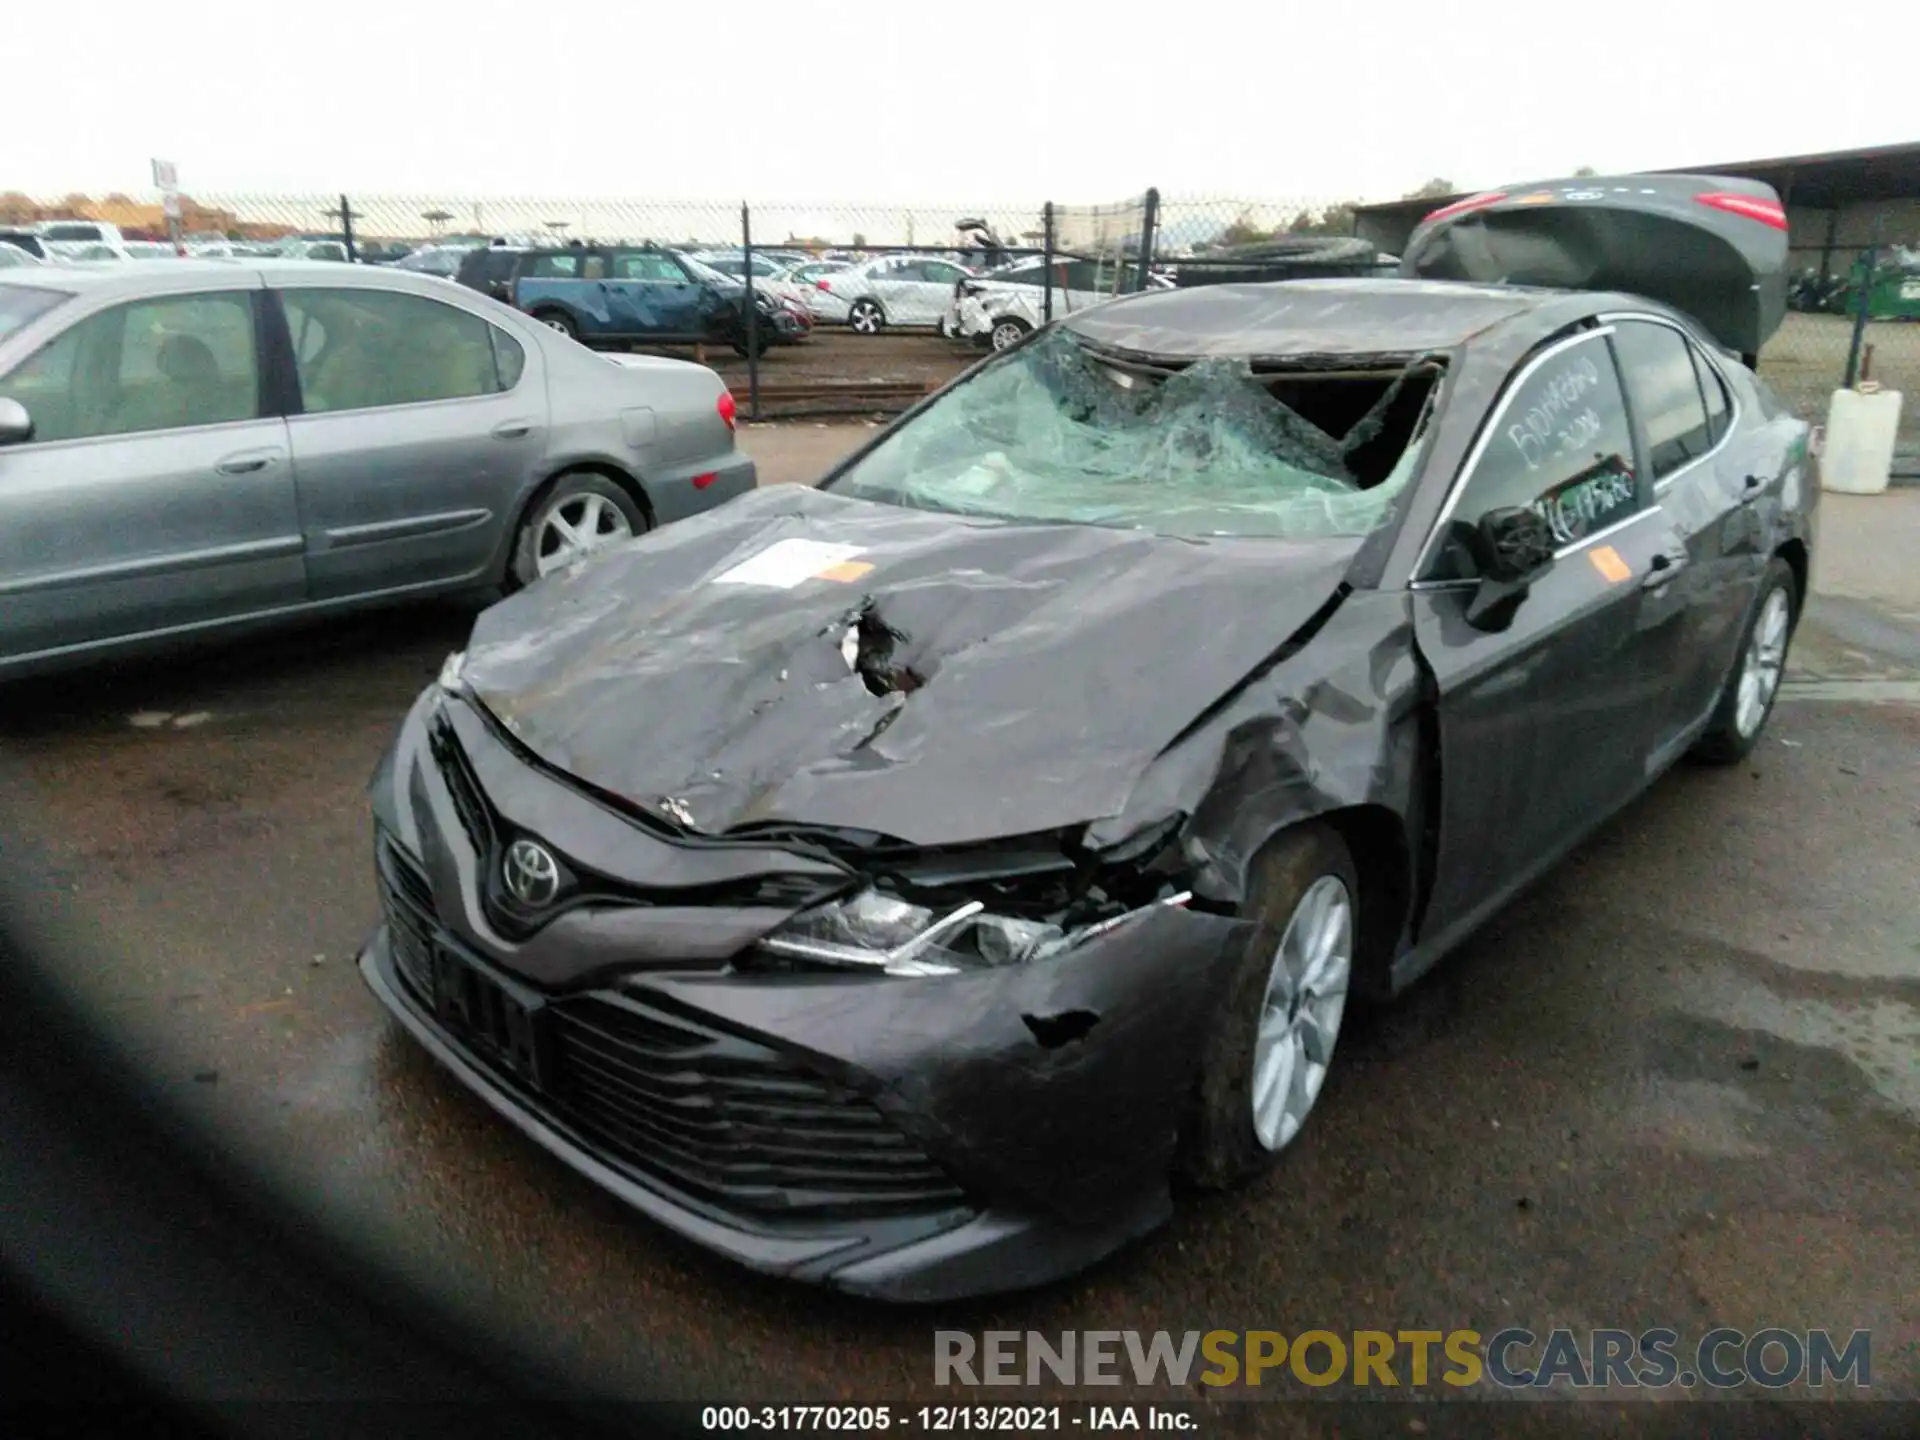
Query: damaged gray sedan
[[907, 885]]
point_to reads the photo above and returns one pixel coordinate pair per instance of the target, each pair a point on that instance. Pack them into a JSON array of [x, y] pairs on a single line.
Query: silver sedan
[[187, 445]]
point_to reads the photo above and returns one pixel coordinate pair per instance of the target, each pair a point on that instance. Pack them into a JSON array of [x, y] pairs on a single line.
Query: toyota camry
[[910, 884]]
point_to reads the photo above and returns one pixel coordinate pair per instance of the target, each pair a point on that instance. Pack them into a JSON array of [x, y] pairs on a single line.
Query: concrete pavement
[[1677, 1083]]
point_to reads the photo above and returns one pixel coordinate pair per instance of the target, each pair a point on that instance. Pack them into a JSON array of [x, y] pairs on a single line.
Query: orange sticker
[[1539, 197], [846, 572], [1607, 561]]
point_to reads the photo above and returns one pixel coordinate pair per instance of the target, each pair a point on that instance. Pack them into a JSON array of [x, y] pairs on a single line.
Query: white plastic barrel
[[1857, 456]]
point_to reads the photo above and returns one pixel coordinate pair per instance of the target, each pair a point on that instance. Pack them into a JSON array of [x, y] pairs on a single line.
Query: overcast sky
[[913, 100]]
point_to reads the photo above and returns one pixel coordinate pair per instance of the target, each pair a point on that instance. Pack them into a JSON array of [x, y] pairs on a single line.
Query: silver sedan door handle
[[246, 463], [512, 429]]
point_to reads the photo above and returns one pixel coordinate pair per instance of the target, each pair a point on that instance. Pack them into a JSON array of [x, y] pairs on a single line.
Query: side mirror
[[1516, 543], [1513, 547], [16, 425]]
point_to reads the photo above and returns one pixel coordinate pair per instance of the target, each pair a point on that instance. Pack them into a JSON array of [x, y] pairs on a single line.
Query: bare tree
[[1434, 189]]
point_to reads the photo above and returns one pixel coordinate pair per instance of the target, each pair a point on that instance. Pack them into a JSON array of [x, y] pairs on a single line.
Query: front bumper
[[927, 1139]]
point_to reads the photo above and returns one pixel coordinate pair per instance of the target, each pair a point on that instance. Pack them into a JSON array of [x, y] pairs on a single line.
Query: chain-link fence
[[1052, 256]]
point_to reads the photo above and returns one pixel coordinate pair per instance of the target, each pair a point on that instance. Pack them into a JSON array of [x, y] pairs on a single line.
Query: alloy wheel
[[575, 528], [1006, 334], [1760, 668], [1300, 1020]]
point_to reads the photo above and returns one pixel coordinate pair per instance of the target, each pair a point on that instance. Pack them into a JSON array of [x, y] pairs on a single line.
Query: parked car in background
[[86, 252], [1000, 307], [622, 295], [27, 242], [14, 258], [804, 285], [313, 248], [766, 263], [72, 232], [150, 250], [441, 260], [894, 290], [184, 447], [911, 884], [491, 269]]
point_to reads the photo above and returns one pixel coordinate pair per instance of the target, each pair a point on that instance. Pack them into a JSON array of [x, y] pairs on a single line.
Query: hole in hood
[[871, 649]]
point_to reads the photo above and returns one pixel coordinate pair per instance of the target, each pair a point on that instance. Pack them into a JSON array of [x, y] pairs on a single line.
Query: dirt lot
[[916, 357], [1677, 1083]]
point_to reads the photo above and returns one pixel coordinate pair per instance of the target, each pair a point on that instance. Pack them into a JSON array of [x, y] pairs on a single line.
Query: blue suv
[[622, 294]]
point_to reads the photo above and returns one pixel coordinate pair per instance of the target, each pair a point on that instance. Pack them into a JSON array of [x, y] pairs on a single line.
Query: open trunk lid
[[1712, 246]]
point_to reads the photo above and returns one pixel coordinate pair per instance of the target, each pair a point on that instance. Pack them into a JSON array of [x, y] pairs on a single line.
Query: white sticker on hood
[[792, 562]]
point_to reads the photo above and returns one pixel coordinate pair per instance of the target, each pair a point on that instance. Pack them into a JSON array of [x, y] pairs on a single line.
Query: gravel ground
[[1679, 1082]]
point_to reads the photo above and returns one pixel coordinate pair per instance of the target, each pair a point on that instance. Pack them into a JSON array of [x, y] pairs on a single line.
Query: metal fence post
[[1046, 251], [346, 229], [753, 315], [1866, 264], [1149, 215]]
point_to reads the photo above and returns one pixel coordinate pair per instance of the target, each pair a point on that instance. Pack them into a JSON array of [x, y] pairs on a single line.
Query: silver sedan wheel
[[575, 528], [1306, 996], [1760, 668], [865, 318], [1007, 333]]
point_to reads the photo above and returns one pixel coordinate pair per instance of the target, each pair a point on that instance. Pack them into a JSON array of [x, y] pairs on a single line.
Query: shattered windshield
[[1052, 432]]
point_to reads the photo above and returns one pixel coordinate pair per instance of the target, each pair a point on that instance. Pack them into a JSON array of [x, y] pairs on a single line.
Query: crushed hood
[[798, 657], [1712, 246]]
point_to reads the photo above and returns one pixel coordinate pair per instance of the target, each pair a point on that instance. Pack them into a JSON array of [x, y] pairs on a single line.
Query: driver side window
[[1559, 444]]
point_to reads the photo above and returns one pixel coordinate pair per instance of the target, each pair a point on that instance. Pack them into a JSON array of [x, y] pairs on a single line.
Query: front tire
[[581, 514], [1267, 1056], [1751, 689], [866, 318]]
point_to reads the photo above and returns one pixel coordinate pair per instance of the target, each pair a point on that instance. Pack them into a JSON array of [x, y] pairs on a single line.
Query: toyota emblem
[[530, 873]]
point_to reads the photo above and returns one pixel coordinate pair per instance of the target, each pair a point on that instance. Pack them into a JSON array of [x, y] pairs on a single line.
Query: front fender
[[1334, 728]]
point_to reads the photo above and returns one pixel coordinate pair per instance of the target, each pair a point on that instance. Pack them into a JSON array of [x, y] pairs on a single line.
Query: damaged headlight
[[876, 931]]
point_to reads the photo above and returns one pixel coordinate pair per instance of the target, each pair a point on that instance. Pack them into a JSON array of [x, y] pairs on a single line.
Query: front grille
[[406, 900], [721, 1118], [730, 1120]]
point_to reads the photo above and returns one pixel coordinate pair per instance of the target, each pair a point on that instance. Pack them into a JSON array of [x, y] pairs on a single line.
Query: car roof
[[1372, 315], [145, 277]]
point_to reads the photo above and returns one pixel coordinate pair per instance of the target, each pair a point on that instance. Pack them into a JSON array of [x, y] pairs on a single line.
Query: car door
[[891, 282], [419, 426], [1701, 486], [650, 294], [1548, 725], [933, 289], [155, 492]]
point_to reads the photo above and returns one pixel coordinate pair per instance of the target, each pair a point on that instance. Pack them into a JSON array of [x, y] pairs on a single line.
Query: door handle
[[512, 429], [1661, 569], [244, 464]]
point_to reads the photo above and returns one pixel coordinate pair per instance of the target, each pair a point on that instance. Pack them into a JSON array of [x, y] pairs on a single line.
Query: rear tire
[[582, 513], [1263, 1063], [1754, 685], [1007, 332], [558, 320]]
